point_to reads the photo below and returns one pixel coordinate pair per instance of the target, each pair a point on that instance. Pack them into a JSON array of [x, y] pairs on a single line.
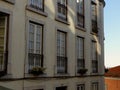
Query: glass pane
[[62, 2], [80, 8], [38, 4], [81, 87], [38, 39], [80, 48], [31, 61], [94, 14], [93, 49], [2, 40], [37, 61], [31, 38], [61, 44]]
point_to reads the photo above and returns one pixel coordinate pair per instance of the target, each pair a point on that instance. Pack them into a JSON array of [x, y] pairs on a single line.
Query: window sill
[[36, 11], [62, 74], [94, 73], [80, 75], [80, 28], [93, 33], [62, 21], [6, 76], [10, 1], [27, 75]]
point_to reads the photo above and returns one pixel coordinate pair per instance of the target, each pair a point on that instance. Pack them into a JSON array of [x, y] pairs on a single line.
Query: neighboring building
[[64, 37], [112, 78]]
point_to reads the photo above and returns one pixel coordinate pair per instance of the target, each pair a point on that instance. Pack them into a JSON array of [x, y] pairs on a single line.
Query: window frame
[[96, 84], [41, 56], [80, 15], [94, 62], [38, 11], [65, 55], [94, 23], [83, 59], [61, 17], [80, 85], [37, 7], [6, 43]]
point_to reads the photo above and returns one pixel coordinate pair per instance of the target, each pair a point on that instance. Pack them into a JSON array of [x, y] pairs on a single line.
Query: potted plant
[[82, 71], [106, 70], [37, 71]]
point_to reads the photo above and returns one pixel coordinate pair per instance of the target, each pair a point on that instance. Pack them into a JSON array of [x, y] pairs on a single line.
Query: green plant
[[82, 71], [106, 70], [37, 70]]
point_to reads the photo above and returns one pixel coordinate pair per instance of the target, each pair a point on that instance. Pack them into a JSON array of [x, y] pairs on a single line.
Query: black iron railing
[[61, 64], [94, 66]]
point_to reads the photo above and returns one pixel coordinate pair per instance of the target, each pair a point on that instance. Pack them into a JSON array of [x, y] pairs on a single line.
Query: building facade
[[52, 44]]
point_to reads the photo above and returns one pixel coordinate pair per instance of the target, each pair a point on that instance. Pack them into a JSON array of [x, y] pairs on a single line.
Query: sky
[[112, 33]]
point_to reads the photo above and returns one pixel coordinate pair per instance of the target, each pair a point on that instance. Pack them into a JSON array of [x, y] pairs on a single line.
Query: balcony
[[61, 65]]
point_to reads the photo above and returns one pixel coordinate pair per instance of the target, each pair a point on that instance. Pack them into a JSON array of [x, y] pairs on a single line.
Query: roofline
[[103, 2]]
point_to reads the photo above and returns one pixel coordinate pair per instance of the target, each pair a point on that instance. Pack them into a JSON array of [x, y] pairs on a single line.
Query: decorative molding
[[10, 1]]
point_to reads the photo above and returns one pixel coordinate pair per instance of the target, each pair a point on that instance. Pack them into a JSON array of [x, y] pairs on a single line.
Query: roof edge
[[103, 2]]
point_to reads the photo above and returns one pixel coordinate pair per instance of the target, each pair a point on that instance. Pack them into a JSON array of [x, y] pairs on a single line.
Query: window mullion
[[35, 44]]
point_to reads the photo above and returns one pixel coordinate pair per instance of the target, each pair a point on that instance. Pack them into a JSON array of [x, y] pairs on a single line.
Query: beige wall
[[19, 20]]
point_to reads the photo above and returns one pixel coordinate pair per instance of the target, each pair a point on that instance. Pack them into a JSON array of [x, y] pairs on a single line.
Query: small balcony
[[81, 67], [61, 65]]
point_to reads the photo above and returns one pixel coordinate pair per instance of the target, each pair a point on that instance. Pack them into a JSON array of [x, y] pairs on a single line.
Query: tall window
[[3, 43], [94, 16], [62, 9], [37, 4], [94, 57], [94, 86], [80, 13], [81, 87], [35, 45], [80, 53], [61, 52], [61, 88]]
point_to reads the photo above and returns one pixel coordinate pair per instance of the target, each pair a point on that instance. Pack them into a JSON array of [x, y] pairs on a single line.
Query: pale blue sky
[[112, 32]]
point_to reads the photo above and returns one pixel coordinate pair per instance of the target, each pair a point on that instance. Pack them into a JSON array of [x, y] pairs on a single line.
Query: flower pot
[[37, 71], [82, 71]]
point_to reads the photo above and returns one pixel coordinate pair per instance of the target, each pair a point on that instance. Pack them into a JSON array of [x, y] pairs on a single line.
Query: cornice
[[102, 2]]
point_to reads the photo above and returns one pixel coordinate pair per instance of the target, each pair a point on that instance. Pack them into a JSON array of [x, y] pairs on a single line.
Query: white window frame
[[80, 52], [39, 4], [61, 54], [61, 10], [79, 7], [95, 86], [80, 16], [79, 86], [34, 47]]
